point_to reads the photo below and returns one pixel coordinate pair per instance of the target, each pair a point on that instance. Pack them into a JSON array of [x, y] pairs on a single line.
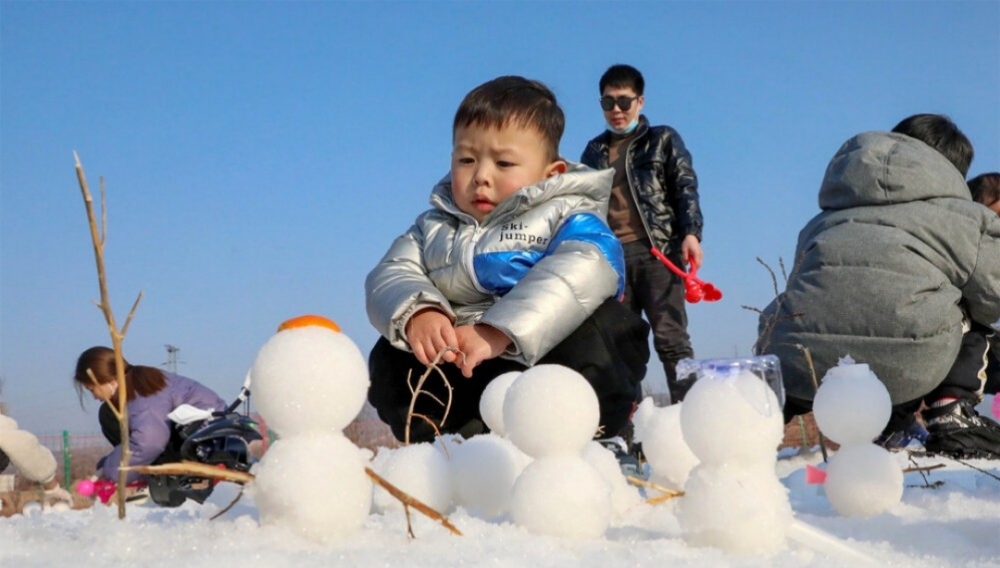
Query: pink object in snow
[[996, 406], [85, 487], [815, 475]]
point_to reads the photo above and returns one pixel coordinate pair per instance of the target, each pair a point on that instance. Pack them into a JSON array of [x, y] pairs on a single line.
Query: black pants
[[610, 349], [966, 380], [651, 288]]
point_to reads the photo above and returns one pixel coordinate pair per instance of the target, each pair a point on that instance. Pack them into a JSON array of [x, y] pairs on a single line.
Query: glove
[[58, 494]]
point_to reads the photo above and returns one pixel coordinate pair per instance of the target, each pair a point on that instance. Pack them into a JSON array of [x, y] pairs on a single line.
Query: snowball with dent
[[863, 480], [309, 379], [420, 470], [483, 471], [491, 402], [624, 495], [562, 496], [314, 484], [738, 508], [668, 455], [732, 418], [851, 406], [550, 410]]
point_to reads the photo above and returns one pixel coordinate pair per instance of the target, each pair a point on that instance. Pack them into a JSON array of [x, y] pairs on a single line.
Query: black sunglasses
[[608, 102]]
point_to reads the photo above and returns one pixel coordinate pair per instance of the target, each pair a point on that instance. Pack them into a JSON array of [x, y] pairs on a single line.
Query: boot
[[956, 430]]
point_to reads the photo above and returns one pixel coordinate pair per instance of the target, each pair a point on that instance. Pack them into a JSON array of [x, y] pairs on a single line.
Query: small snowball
[[550, 410], [624, 495], [851, 406], [421, 471], [562, 496], [309, 379], [483, 471], [732, 419], [314, 484], [863, 480], [668, 455], [491, 403]]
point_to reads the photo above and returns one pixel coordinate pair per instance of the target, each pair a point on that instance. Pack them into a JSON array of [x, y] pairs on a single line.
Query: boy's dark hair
[[622, 76], [515, 100], [940, 133], [985, 188]]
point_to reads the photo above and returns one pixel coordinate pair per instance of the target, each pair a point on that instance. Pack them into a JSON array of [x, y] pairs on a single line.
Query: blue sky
[[259, 157]]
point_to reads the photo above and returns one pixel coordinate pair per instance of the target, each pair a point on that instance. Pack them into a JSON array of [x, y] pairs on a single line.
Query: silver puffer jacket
[[536, 267]]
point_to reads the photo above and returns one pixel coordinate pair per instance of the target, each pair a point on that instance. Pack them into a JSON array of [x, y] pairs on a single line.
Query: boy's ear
[[555, 168]]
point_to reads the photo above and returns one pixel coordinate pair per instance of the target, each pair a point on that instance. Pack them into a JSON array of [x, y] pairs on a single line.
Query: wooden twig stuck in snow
[[418, 390], [97, 237], [409, 501], [193, 468], [667, 492]]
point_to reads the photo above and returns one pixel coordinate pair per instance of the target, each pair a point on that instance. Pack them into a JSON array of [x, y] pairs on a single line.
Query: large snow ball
[[863, 480], [667, 454], [851, 406], [314, 484], [732, 419], [491, 403], [550, 410], [421, 471], [738, 508], [309, 379], [483, 471], [562, 496]]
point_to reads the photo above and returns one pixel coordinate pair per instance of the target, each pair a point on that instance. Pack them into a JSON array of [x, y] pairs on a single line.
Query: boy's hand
[[429, 331], [691, 251], [479, 343]]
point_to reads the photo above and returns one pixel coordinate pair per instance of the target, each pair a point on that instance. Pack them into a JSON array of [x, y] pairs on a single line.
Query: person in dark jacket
[[985, 189], [900, 271], [654, 203], [151, 394]]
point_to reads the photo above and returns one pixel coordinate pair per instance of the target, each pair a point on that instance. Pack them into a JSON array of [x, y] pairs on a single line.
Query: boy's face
[[488, 165], [618, 118]]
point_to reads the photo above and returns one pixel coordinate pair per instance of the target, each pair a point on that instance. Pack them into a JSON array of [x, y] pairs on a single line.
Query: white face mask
[[628, 128]]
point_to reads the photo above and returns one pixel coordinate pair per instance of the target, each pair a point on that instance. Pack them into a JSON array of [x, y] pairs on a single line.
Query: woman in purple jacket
[[151, 395]]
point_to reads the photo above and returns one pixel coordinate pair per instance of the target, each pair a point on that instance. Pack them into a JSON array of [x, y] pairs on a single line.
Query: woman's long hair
[[139, 379]]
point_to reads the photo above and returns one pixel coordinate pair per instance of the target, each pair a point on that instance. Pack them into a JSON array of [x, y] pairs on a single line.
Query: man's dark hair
[[624, 77], [940, 133], [985, 188], [513, 100]]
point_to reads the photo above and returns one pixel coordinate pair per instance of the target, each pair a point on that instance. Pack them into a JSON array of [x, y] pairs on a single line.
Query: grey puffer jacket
[[536, 267], [887, 272], [149, 427], [662, 179]]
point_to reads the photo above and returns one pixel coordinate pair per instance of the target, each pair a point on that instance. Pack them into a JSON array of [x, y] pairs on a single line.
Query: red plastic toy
[[695, 288]]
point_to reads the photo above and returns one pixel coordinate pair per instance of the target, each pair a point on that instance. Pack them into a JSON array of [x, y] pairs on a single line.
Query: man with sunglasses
[[654, 203]]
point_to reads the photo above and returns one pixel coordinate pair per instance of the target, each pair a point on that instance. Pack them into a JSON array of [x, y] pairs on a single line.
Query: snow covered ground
[[955, 524]]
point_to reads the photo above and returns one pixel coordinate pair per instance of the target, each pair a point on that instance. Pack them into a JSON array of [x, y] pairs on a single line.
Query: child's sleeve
[[399, 286], [32, 460], [584, 266]]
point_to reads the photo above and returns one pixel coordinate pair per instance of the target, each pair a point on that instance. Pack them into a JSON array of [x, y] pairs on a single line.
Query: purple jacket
[[149, 427]]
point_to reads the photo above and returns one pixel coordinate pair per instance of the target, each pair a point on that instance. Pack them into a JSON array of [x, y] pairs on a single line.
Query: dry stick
[[923, 468], [97, 238], [663, 498], [407, 500], [815, 381], [643, 483], [418, 390], [193, 468], [227, 507]]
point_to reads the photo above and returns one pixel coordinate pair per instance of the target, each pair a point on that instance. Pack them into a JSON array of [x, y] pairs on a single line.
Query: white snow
[[957, 524]]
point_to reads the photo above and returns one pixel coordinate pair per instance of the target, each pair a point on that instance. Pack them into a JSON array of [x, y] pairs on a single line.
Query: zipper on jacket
[[470, 255], [631, 185]]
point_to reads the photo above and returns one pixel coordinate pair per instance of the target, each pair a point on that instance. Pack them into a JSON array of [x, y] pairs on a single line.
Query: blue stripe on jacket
[[498, 272]]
